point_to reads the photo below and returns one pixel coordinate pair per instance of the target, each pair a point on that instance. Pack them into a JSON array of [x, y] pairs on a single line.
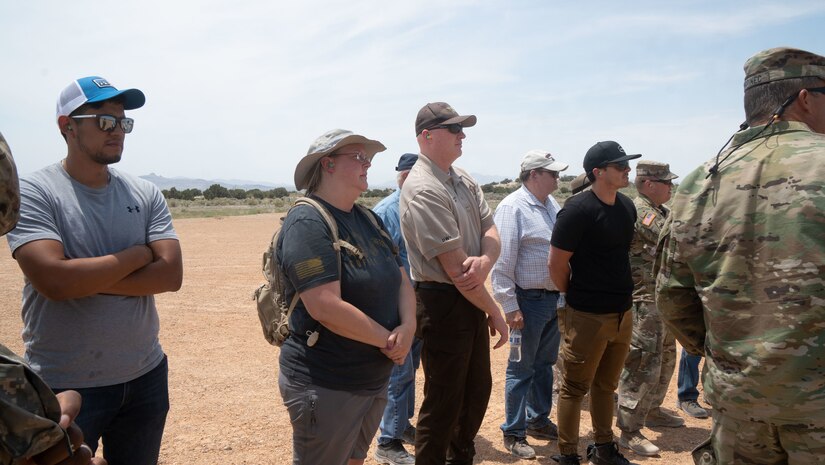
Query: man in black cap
[[396, 428], [589, 263]]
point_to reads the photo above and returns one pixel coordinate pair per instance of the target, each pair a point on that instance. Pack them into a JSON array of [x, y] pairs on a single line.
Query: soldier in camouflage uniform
[[30, 414], [652, 357], [740, 276]]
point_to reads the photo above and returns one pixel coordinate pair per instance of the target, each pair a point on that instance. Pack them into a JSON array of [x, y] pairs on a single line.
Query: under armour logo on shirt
[[136, 208]]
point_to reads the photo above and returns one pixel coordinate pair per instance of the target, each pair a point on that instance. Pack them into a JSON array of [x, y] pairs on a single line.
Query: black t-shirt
[[599, 235], [371, 284]]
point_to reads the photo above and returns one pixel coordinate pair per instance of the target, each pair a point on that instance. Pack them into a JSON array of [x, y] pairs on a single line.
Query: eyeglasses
[[453, 128], [108, 123], [621, 166], [819, 90], [662, 181], [554, 174], [360, 157]]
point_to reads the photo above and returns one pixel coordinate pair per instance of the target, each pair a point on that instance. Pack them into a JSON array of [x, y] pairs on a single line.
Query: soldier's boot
[[606, 454], [658, 417], [638, 443]]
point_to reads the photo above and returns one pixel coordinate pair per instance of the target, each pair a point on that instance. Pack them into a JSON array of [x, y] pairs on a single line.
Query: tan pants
[[593, 351]]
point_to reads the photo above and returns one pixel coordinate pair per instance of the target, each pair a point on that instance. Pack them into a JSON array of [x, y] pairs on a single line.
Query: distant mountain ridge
[[181, 183]]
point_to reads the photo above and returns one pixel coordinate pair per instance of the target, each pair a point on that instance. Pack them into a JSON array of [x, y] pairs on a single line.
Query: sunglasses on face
[[621, 166], [453, 128], [360, 157], [663, 181], [554, 174], [108, 123]]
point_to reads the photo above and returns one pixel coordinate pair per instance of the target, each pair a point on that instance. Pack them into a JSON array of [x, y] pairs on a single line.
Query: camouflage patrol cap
[[780, 63], [9, 189], [654, 169], [327, 143]]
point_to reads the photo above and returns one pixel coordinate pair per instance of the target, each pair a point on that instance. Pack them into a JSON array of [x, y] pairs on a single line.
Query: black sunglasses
[[662, 181], [619, 165], [819, 90], [453, 128], [108, 123]]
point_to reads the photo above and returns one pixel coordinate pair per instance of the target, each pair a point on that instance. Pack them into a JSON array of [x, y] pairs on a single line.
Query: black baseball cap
[[604, 153]]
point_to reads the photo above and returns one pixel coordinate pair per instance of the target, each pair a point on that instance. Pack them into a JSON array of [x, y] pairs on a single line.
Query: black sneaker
[[606, 454], [519, 447], [572, 459], [393, 453]]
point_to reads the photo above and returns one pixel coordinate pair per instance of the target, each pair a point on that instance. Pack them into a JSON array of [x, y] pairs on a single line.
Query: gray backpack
[[270, 297]]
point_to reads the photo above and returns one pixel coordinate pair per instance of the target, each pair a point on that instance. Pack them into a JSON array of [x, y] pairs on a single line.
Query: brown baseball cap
[[440, 113]]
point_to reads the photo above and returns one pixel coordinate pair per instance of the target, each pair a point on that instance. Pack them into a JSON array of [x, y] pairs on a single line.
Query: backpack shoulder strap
[[372, 216]]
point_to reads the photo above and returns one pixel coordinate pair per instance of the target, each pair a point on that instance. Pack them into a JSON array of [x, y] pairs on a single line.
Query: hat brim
[[670, 176], [624, 158], [557, 166], [304, 168], [465, 121], [132, 98]]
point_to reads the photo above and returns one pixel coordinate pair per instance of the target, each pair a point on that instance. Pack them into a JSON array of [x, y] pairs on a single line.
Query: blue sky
[[238, 90]]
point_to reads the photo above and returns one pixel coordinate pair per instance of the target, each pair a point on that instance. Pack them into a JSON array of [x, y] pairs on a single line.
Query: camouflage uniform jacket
[[741, 276], [9, 189], [29, 411], [649, 221]]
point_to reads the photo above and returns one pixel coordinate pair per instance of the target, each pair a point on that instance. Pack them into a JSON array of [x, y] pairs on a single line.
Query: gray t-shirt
[[98, 340]]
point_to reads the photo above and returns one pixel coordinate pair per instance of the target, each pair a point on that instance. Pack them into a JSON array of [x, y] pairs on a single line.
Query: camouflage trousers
[[648, 368], [745, 442]]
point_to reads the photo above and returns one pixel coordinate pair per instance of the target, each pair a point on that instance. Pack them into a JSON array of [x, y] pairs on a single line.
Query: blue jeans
[[400, 397], [129, 416], [528, 389], [688, 376]]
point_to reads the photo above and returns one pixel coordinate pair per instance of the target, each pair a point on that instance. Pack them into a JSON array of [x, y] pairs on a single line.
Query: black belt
[[433, 285], [544, 291]]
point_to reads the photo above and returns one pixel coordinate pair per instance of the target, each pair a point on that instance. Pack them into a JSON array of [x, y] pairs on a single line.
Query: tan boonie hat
[[536, 159], [327, 143], [780, 63], [654, 169], [579, 184], [9, 189]]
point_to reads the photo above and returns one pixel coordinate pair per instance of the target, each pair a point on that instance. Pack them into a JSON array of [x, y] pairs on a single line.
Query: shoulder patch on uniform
[[648, 220]]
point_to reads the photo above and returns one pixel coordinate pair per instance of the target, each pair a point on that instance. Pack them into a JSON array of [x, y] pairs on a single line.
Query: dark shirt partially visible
[[599, 235], [371, 284]]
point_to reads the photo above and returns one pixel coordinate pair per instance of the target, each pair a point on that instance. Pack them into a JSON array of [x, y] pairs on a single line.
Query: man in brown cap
[[652, 356], [452, 244], [740, 277]]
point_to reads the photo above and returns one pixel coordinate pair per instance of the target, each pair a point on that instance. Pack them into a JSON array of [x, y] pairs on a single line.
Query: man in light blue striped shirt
[[522, 285]]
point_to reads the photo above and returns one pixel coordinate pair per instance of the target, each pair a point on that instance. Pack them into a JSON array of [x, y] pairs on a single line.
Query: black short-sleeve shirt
[[599, 235], [370, 283]]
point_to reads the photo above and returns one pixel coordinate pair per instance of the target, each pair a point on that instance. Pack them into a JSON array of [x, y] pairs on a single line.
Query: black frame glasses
[[453, 128], [662, 181], [818, 90], [108, 123]]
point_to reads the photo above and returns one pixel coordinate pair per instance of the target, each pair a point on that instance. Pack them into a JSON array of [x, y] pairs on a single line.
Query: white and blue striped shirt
[[525, 225]]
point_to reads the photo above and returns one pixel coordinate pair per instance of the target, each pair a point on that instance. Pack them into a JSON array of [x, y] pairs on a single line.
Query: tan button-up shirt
[[440, 211]]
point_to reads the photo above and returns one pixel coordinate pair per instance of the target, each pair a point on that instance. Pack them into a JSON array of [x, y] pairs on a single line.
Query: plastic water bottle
[[515, 345]]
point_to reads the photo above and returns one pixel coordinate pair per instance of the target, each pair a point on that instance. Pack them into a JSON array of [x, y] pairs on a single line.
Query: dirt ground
[[225, 405]]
